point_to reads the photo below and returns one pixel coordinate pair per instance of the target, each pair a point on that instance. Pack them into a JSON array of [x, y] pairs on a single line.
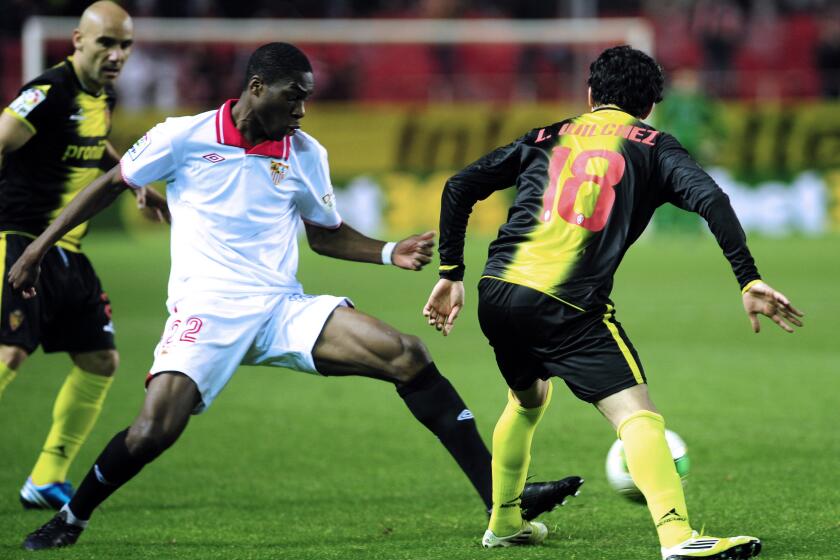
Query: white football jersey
[[235, 207]]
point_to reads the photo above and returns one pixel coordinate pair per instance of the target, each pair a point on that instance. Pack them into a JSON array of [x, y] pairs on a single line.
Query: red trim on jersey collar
[[229, 135]]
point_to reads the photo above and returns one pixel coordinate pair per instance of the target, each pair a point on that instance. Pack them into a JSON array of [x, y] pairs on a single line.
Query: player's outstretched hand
[[415, 252], [24, 273], [149, 199], [444, 305], [761, 299]]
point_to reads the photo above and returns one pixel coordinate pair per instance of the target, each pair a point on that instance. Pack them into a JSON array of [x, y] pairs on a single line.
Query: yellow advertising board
[[408, 151]]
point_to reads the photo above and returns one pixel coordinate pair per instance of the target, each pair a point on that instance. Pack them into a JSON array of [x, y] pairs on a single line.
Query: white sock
[[72, 519]]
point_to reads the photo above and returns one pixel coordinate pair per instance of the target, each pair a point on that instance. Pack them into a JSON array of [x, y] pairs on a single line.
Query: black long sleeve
[[691, 188], [494, 171]]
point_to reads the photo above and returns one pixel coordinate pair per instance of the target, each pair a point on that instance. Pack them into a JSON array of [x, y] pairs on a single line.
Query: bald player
[[53, 142]]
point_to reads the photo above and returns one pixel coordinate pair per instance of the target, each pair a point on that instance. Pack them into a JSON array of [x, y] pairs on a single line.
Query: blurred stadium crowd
[[743, 50]]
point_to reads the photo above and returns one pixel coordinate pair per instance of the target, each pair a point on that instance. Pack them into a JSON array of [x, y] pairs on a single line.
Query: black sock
[[114, 467], [435, 403]]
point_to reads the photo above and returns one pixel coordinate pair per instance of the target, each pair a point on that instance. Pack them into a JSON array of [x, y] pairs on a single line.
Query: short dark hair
[[626, 77], [275, 61]]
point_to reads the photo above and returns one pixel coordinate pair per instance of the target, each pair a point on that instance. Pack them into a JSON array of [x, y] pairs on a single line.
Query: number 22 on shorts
[[186, 331], [565, 203]]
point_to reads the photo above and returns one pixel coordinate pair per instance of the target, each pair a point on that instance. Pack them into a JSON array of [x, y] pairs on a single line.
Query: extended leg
[[511, 457], [353, 343], [170, 399], [649, 460]]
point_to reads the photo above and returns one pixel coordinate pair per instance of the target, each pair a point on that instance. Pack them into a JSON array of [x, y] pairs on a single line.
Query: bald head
[[102, 44], [104, 15]]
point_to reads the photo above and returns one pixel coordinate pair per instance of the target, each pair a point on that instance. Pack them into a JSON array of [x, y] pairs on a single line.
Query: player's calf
[[408, 359], [147, 439], [12, 356]]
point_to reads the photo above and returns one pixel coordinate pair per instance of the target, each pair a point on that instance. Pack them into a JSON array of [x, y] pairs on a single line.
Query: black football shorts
[[536, 336], [71, 313]]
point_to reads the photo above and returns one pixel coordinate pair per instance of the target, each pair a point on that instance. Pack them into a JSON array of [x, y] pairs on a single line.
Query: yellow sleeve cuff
[[749, 285], [25, 122]]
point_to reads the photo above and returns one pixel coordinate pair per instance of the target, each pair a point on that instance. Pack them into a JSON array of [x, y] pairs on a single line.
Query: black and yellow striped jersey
[[586, 189], [65, 154]]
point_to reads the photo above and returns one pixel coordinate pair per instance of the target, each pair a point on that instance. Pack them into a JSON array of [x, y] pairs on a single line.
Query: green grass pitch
[[287, 465]]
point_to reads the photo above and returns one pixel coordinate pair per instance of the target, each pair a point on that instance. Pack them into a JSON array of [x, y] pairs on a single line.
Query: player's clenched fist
[[415, 252]]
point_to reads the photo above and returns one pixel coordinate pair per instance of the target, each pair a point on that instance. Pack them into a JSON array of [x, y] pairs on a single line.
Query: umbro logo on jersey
[[466, 414], [213, 157]]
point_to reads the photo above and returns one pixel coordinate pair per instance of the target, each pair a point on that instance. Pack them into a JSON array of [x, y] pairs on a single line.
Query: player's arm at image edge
[[14, 133]]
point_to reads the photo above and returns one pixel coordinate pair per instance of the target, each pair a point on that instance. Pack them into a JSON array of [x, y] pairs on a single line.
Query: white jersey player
[[239, 179], [233, 293]]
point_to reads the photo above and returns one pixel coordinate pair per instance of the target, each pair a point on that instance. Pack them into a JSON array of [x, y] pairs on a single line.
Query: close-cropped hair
[[275, 61], [628, 78]]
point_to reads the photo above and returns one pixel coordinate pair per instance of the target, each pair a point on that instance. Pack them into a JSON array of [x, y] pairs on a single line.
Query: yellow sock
[[511, 457], [652, 467], [7, 374], [76, 409]]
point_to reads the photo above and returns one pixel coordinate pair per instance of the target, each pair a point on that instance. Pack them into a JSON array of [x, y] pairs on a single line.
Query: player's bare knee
[[103, 362], [411, 360], [12, 356]]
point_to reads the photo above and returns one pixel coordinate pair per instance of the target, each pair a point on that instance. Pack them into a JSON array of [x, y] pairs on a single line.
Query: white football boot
[[532, 532], [713, 548]]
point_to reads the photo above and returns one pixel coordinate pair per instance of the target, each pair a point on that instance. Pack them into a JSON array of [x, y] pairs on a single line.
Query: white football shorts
[[207, 336]]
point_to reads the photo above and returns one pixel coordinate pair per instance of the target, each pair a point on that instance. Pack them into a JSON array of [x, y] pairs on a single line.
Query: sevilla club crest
[[278, 171]]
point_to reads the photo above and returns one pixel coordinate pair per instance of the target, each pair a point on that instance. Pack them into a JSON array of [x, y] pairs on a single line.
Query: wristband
[[387, 250]]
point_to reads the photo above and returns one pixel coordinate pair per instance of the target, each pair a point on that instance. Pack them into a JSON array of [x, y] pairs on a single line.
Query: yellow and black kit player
[[70, 127], [586, 189], [53, 143], [72, 313]]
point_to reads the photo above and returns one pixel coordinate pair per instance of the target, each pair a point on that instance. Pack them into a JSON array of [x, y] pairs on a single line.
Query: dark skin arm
[[90, 201], [344, 242], [111, 158], [147, 197]]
